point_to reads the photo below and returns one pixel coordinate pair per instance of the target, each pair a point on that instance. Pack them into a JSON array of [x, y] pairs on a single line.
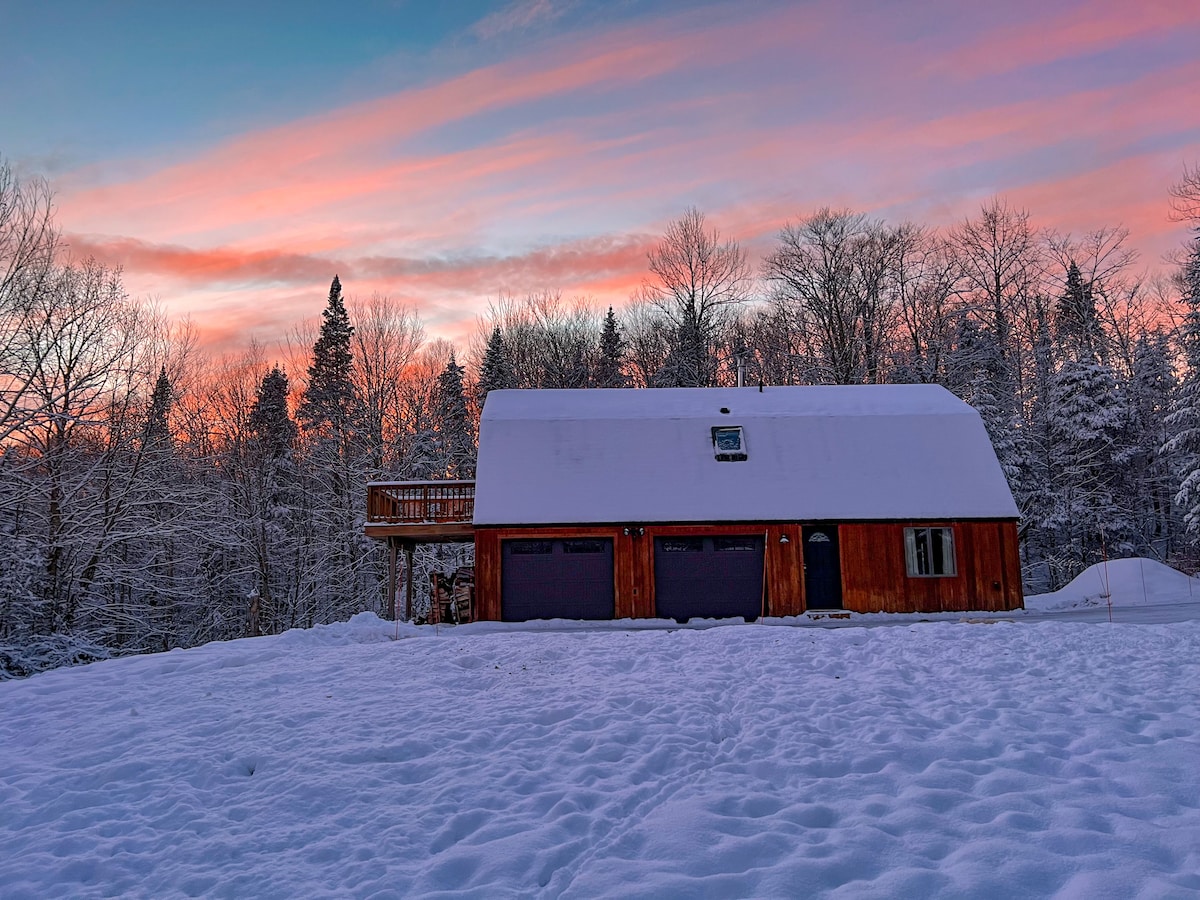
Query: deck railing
[[415, 502]]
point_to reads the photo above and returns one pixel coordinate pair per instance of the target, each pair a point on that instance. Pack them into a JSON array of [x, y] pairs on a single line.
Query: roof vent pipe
[[740, 355]]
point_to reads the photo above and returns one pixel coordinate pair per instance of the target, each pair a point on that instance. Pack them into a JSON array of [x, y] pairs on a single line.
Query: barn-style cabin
[[718, 502]]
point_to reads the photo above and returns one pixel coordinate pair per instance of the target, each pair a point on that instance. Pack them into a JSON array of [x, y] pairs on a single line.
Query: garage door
[[708, 577], [557, 579]]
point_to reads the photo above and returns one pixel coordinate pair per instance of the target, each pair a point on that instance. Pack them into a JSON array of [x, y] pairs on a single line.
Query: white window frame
[[919, 554], [738, 455]]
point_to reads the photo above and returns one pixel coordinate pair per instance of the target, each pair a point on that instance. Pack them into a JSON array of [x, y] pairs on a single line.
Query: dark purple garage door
[[557, 579], [708, 577]]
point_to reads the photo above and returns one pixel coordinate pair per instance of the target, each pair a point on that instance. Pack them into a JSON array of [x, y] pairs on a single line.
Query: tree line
[[152, 496]]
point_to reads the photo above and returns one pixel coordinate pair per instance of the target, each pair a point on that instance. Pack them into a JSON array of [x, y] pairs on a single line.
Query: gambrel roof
[[869, 452]]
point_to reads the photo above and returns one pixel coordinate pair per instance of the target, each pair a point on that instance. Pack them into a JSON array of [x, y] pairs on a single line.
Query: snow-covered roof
[[812, 453]]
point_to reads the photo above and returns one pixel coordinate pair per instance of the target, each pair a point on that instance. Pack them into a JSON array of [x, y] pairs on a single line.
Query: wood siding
[[785, 570], [874, 576]]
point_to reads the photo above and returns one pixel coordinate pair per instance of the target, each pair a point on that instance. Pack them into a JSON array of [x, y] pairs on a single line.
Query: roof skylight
[[729, 444]]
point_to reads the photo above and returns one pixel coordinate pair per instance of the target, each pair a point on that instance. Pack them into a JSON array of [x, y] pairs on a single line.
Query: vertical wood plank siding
[[874, 576], [1010, 554], [487, 574], [785, 570]]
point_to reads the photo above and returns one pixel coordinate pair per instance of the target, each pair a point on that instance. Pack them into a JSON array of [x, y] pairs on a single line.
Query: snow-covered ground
[[1026, 755]]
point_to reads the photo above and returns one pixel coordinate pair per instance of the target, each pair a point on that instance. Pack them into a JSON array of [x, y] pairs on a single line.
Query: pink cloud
[[201, 267], [305, 163], [445, 291], [358, 191], [1130, 192], [1089, 27]]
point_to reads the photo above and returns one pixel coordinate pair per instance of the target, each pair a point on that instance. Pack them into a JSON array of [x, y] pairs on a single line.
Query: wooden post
[[408, 594], [391, 580]]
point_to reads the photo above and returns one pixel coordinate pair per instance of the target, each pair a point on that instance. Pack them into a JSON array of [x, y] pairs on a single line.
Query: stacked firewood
[[452, 596]]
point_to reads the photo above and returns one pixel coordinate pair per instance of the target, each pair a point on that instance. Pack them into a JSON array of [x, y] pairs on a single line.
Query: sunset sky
[[233, 156]]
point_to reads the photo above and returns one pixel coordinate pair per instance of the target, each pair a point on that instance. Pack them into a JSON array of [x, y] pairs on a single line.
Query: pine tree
[[421, 459], [690, 361], [270, 499], [1076, 319], [272, 431], [973, 365], [610, 365], [1086, 424], [1182, 447], [1085, 428], [157, 561], [328, 403], [1146, 477], [452, 424], [335, 469], [496, 372], [157, 433]]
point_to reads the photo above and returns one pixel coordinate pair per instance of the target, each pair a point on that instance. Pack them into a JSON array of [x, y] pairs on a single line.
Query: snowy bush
[[37, 654]]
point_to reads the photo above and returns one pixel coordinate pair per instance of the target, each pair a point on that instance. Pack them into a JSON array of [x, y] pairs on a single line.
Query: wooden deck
[[421, 511]]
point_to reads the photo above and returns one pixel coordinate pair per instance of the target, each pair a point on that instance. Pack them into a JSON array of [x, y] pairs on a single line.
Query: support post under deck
[[391, 581], [408, 574]]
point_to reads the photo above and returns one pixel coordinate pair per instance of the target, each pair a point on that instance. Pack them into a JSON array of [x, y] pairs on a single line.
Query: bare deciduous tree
[[549, 342], [1185, 195], [926, 276], [647, 339], [387, 335], [698, 282], [28, 241], [833, 274], [1001, 257]]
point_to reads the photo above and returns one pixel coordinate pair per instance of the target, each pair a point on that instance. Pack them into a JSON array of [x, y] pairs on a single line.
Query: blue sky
[[233, 157]]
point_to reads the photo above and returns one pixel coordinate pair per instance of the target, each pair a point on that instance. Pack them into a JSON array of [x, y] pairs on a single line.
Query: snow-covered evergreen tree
[[690, 361], [1085, 427], [1182, 446], [452, 425], [328, 403], [609, 370], [158, 566], [157, 433], [1146, 476], [1076, 320], [421, 460], [269, 505], [336, 468], [272, 431], [972, 364], [1086, 424], [495, 374]]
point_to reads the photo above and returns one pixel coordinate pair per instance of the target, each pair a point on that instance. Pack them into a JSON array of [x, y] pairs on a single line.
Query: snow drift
[[1124, 582]]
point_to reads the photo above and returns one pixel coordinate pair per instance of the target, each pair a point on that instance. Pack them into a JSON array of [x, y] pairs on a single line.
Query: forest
[[153, 495]]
